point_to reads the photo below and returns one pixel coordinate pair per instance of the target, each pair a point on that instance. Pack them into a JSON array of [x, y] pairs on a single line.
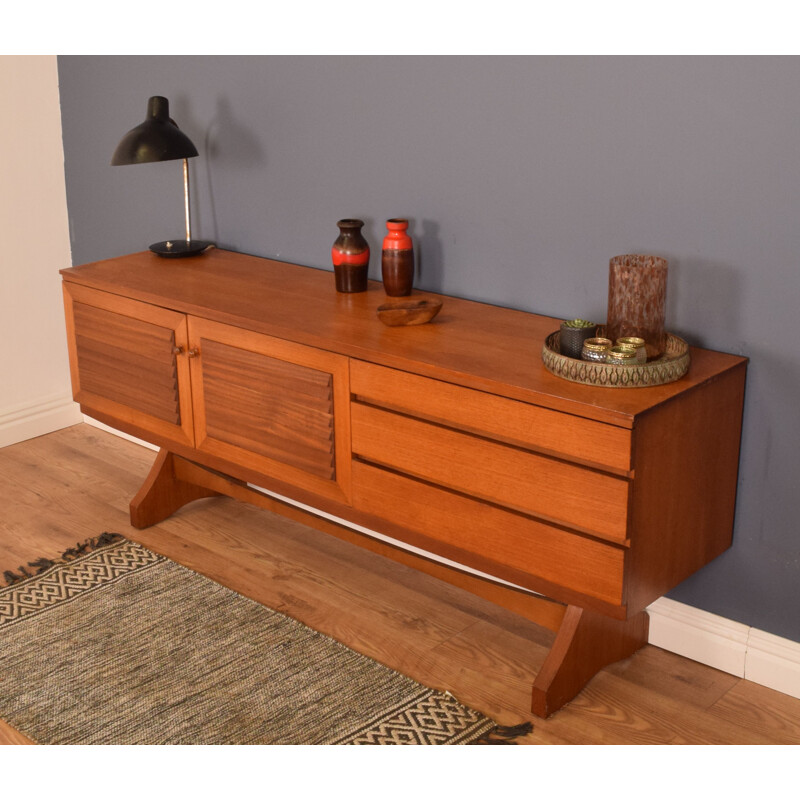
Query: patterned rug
[[115, 644]]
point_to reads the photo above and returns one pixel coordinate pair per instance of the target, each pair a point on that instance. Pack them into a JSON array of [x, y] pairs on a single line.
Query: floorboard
[[59, 489]]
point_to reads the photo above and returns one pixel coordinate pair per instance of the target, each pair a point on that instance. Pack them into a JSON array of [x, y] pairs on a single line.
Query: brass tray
[[674, 364]]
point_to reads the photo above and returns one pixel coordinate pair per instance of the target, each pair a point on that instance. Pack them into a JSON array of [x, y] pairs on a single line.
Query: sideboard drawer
[[480, 535], [493, 416], [557, 491]]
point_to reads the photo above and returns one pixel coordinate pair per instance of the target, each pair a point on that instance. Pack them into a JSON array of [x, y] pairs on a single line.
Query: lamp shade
[[158, 138]]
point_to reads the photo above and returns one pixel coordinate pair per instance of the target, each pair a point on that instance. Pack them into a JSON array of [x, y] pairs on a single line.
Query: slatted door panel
[[128, 362], [277, 407]]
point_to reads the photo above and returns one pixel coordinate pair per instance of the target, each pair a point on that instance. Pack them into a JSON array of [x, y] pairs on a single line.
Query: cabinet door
[[128, 363], [273, 406]]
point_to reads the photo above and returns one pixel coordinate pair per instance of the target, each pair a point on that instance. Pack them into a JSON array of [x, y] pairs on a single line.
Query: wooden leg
[[586, 642], [162, 494], [538, 609]]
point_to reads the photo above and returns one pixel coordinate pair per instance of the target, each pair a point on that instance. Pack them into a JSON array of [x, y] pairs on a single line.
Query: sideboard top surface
[[477, 345]]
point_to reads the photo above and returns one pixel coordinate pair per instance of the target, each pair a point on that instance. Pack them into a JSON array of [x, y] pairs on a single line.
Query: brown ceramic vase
[[397, 259], [350, 256]]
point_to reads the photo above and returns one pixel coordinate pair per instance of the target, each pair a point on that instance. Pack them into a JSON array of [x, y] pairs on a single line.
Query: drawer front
[[584, 499], [481, 536], [493, 416]]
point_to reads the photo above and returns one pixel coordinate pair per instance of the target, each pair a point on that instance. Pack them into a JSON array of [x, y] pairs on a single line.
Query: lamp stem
[[186, 199]]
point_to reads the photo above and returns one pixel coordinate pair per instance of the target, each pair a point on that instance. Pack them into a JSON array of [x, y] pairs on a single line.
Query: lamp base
[[180, 248]]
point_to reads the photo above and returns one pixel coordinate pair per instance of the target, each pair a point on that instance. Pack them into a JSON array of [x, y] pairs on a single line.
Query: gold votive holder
[[621, 355], [595, 349], [637, 344]]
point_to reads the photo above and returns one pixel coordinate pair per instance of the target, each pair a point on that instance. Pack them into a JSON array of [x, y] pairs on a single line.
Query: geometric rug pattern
[[120, 645]]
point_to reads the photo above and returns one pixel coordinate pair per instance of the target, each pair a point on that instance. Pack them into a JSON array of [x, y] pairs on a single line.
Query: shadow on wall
[[705, 296], [768, 446], [746, 582], [230, 145], [430, 258], [373, 233]]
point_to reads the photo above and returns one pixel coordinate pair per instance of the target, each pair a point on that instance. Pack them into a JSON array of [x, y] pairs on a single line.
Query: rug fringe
[[41, 565], [505, 734]]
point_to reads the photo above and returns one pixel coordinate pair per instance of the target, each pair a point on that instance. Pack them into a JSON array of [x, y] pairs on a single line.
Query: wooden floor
[[59, 489]]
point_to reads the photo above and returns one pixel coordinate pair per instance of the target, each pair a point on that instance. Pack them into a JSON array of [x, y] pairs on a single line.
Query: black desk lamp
[[158, 138]]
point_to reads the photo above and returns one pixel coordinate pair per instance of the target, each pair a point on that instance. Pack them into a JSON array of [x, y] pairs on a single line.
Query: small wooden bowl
[[408, 311]]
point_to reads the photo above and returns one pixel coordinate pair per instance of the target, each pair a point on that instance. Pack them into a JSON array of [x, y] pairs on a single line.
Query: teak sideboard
[[575, 506]]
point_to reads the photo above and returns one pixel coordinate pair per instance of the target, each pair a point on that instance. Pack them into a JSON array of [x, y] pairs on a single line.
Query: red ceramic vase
[[397, 259], [350, 256]]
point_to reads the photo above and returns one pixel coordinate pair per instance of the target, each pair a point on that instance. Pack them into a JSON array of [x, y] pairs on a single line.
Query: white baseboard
[[31, 419], [690, 632], [696, 634], [729, 646], [774, 662], [95, 423]]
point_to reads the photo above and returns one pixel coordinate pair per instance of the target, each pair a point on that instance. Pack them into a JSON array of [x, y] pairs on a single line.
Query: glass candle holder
[[637, 296]]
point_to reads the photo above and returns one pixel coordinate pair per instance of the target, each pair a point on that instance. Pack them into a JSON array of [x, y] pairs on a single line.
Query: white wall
[[35, 396]]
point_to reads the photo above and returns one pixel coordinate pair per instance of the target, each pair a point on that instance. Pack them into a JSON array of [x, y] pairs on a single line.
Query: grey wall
[[522, 176]]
